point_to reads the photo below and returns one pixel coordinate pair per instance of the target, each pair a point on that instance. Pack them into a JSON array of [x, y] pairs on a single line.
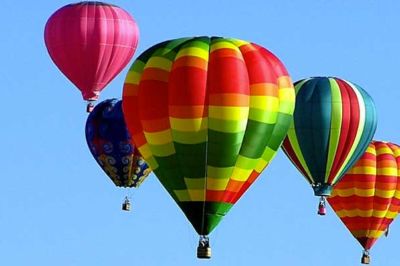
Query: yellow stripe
[[287, 94], [384, 150], [261, 165], [193, 51], [228, 113], [145, 151], [223, 45], [238, 42], [387, 171], [371, 150], [366, 213], [240, 174], [158, 138], [187, 125], [267, 103], [364, 170], [159, 62], [133, 77], [369, 233], [217, 183]]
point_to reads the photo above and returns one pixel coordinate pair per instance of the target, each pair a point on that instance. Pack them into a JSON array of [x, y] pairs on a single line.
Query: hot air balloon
[[208, 114], [367, 199], [110, 144], [91, 42], [333, 123]]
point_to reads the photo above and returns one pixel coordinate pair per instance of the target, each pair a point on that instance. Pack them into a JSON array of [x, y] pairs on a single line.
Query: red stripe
[[187, 86], [153, 95], [350, 122], [227, 75], [287, 147]]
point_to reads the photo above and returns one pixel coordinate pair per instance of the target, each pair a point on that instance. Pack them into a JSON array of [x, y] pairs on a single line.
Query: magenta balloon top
[[91, 42]]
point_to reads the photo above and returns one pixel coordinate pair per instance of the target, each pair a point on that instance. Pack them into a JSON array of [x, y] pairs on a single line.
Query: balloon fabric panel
[[333, 123], [208, 115], [91, 42], [110, 144], [367, 199]]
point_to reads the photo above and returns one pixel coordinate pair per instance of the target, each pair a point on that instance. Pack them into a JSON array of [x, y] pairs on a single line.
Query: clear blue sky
[[57, 207]]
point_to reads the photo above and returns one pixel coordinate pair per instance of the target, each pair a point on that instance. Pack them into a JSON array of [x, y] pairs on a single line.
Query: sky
[[57, 207]]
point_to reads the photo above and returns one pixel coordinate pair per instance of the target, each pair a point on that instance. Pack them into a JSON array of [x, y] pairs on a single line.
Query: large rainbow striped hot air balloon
[[333, 123], [367, 199], [208, 115]]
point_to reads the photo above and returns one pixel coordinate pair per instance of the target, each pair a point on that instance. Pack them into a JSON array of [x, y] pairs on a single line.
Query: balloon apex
[[204, 249]]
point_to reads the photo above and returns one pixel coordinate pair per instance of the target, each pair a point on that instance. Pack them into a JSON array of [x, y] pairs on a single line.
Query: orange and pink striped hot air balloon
[[367, 199]]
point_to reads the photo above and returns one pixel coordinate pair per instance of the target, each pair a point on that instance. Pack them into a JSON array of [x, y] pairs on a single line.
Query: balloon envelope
[[208, 114], [367, 199], [91, 42], [110, 144], [333, 123]]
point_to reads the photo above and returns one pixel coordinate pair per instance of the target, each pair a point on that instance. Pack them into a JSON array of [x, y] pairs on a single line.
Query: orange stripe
[[188, 111], [247, 48], [285, 82], [229, 99], [227, 52], [234, 185], [387, 163], [190, 61], [155, 74], [264, 89], [366, 162], [155, 125]]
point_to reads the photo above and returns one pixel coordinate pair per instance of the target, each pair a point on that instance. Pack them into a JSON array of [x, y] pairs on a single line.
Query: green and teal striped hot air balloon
[[208, 114], [333, 123]]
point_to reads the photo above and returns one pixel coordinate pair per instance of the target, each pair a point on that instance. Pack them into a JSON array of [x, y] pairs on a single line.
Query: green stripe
[[336, 125], [256, 138], [223, 148]]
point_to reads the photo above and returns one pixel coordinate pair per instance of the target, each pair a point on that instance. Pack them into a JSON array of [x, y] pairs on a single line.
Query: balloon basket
[[365, 258], [204, 249], [126, 205], [89, 107], [322, 207]]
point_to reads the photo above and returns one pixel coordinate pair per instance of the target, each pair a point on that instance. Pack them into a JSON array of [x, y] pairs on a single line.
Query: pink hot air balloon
[[91, 42]]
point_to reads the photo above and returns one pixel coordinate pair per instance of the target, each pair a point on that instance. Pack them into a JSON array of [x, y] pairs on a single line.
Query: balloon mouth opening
[[322, 190]]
